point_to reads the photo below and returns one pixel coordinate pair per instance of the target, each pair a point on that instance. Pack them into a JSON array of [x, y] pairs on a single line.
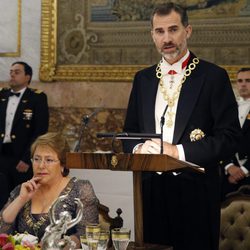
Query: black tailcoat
[[243, 151], [186, 208]]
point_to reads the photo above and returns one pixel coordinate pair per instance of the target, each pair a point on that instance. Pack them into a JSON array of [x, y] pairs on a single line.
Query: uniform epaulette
[[37, 91]]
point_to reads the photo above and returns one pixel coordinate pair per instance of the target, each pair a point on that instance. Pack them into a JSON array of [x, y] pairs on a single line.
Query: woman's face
[[46, 165]]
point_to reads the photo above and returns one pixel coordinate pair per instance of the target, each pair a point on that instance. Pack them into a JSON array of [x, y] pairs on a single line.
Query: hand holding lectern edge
[[130, 162]]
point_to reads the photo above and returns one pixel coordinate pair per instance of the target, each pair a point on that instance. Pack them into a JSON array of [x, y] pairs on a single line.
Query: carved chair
[[235, 220], [107, 222]]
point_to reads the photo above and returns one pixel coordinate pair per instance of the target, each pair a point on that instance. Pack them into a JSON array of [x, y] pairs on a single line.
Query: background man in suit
[[24, 116], [236, 171], [182, 209]]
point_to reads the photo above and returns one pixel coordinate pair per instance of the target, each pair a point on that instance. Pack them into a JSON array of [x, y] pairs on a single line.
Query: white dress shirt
[[10, 114], [160, 103], [243, 108]]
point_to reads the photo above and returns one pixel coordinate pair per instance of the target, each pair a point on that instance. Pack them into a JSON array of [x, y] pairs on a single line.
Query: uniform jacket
[[244, 145], [206, 102], [31, 120]]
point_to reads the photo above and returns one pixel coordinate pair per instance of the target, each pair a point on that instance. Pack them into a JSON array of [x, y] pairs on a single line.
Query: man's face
[[18, 79], [243, 84], [170, 36]]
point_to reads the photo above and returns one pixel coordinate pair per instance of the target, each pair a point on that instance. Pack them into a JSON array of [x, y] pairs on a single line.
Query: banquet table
[[146, 246]]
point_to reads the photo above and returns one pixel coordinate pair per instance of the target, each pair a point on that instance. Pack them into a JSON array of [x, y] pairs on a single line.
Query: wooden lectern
[[130, 162]]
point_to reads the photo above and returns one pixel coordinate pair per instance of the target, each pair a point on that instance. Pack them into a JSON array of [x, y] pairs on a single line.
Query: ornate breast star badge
[[196, 135]]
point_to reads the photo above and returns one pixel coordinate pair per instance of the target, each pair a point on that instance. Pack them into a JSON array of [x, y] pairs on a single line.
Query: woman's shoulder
[[83, 188], [80, 184]]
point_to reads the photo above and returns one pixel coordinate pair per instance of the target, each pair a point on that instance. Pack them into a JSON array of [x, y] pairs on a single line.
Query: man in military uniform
[[24, 116], [236, 170]]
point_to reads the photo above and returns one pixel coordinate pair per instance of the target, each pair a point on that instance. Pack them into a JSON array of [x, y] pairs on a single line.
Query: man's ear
[[28, 78], [189, 30], [152, 35]]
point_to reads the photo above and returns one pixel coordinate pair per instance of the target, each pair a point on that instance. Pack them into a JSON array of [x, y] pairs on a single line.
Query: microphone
[[86, 118], [128, 136], [162, 122], [85, 121]]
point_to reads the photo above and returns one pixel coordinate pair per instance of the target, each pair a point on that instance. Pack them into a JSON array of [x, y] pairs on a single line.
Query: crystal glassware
[[120, 238], [92, 235], [84, 242], [103, 240]]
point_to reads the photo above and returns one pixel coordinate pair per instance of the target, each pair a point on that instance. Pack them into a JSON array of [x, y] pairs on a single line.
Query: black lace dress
[[35, 224]]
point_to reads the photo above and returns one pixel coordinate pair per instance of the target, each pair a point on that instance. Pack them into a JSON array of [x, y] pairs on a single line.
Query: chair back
[[235, 220], [107, 222]]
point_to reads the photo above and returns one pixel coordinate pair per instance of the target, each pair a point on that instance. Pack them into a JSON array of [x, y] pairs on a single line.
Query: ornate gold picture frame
[[50, 70], [16, 53], [78, 48]]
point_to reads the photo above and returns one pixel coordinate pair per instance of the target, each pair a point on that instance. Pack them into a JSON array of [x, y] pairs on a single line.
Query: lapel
[[148, 107], [187, 100], [3, 103], [21, 106], [246, 124], [3, 107]]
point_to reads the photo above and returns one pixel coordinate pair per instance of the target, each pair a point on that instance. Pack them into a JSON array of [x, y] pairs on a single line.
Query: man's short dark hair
[[167, 8], [27, 68], [243, 70]]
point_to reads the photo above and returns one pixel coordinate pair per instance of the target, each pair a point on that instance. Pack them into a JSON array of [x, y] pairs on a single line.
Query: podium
[[130, 162]]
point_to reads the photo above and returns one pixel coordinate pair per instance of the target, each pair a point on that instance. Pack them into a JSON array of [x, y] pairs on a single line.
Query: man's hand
[[231, 180], [170, 150], [22, 167], [154, 147], [235, 174]]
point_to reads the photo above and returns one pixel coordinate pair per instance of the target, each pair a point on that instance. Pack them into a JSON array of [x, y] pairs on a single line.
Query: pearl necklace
[[172, 99]]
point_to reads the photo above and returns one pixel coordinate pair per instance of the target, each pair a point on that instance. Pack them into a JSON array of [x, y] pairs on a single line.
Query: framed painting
[[109, 40], [10, 26]]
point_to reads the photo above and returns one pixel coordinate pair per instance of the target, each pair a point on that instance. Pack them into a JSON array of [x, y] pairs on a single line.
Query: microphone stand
[[84, 125], [162, 122]]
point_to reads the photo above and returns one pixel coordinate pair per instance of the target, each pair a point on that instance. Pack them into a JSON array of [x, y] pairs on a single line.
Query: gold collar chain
[[171, 99], [44, 218]]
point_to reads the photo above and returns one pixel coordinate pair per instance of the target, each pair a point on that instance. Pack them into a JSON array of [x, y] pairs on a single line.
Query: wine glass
[[92, 235], [103, 240], [84, 242], [120, 238]]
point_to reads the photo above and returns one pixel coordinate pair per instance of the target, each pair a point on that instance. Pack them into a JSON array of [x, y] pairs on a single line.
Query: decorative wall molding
[[119, 49], [16, 53]]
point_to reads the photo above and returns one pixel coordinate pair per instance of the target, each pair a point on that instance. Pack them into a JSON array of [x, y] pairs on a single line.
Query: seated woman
[[28, 205]]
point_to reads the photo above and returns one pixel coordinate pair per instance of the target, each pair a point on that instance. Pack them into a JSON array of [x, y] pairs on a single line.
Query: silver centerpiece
[[54, 236]]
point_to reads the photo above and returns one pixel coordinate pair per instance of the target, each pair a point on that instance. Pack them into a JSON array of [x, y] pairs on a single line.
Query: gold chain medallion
[[172, 99]]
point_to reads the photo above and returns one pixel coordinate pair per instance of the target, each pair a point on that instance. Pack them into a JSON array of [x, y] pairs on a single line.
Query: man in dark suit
[[24, 116], [182, 209], [236, 171]]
